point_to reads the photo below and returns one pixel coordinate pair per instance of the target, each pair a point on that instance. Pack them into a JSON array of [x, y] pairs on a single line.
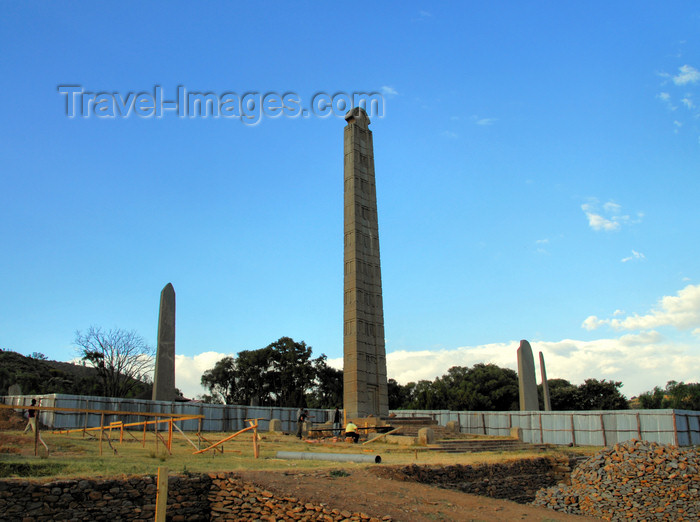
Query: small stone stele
[[426, 436], [516, 432], [275, 426], [452, 427]]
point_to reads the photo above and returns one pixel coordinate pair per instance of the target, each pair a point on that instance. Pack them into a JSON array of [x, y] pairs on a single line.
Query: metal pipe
[[340, 457]]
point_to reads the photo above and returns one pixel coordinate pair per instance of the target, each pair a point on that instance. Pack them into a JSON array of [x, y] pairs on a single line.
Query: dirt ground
[[365, 492]]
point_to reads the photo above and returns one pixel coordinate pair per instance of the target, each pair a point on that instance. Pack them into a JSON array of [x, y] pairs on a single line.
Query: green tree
[[684, 396], [281, 374], [601, 395], [563, 395], [327, 391], [653, 400], [221, 381]]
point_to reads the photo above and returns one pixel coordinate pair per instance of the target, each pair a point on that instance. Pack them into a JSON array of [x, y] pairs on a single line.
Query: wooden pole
[[573, 431], [256, 449], [639, 427], [541, 432], [85, 424], [102, 423], [170, 435], [483, 422], [162, 494], [36, 433]]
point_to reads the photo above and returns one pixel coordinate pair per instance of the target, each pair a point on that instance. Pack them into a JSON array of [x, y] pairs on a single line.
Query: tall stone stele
[[364, 363], [526, 378], [164, 377], [545, 385]]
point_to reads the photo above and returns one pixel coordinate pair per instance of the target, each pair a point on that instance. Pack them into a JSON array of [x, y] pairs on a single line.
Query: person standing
[[336, 422], [300, 422], [31, 418]]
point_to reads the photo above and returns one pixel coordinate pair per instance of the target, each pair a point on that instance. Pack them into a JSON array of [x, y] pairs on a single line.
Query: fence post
[[639, 427], [602, 427], [541, 432], [675, 429], [162, 495], [573, 431]]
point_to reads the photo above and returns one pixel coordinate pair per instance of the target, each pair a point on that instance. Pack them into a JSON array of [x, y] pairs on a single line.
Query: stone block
[[275, 426], [516, 433], [452, 427], [426, 436]]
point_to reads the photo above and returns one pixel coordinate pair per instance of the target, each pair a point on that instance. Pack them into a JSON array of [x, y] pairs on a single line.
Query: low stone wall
[[215, 496], [113, 499], [518, 480]]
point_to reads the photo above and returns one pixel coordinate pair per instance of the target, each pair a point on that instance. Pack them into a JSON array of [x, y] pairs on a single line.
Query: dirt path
[[363, 491]]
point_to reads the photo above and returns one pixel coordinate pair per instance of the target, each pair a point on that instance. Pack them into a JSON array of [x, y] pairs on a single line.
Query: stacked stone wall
[[216, 496], [131, 498], [517, 480]]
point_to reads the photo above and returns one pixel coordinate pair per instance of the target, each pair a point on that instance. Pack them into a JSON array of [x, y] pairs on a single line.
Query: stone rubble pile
[[232, 499], [634, 480]]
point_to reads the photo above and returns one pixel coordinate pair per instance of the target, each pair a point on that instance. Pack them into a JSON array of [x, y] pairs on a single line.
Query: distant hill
[[40, 376]]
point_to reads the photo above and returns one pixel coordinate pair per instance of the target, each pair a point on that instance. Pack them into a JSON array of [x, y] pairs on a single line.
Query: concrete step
[[482, 445]]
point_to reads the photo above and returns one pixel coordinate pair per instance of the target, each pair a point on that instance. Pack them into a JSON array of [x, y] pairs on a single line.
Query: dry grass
[[72, 455]]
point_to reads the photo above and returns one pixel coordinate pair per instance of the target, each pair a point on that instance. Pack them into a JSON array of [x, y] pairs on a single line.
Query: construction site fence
[[217, 417], [584, 428], [587, 428]]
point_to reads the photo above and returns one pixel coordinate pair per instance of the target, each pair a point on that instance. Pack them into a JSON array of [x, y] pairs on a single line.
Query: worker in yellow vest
[[351, 431]]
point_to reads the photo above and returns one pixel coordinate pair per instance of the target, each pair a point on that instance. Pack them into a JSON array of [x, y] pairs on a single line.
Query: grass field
[[72, 455]]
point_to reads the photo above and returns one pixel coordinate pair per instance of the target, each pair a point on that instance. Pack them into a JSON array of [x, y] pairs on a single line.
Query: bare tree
[[122, 358]]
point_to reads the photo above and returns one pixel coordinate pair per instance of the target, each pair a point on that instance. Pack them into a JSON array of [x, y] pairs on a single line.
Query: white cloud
[[389, 91], [449, 134], [664, 96], [681, 311], [486, 121], [687, 74], [189, 370], [635, 255], [609, 218], [688, 102], [640, 361], [424, 14]]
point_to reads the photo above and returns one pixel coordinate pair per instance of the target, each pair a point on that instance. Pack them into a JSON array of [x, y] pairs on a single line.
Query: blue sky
[[537, 176]]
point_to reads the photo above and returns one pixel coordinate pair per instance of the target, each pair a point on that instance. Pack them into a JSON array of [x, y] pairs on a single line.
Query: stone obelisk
[[545, 386], [526, 378], [164, 377], [364, 363]]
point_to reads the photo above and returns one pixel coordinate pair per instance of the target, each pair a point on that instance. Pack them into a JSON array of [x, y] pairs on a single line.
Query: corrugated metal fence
[[217, 417], [587, 428], [594, 428]]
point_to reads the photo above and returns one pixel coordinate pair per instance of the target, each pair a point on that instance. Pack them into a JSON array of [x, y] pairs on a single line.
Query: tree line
[[117, 363]]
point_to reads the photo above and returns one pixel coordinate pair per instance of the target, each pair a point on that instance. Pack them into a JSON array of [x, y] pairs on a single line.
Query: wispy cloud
[[389, 91], [609, 218], [449, 134], [688, 102], [635, 255], [485, 121], [688, 74]]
